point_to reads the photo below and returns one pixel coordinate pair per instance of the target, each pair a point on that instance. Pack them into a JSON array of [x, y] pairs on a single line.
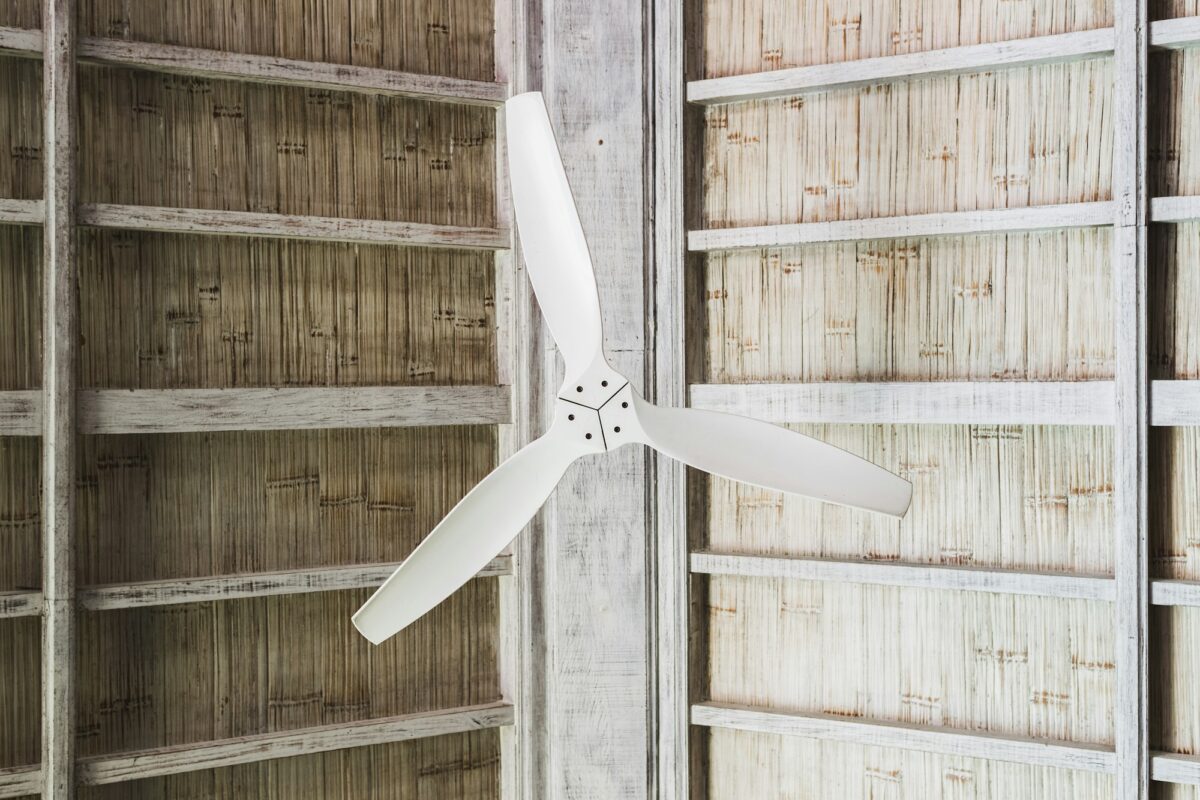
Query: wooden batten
[[20, 604], [21, 212], [20, 781]]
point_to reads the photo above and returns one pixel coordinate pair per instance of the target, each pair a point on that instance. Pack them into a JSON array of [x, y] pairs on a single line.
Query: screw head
[[617, 429], [579, 388], [624, 405], [604, 383], [570, 416], [588, 436]]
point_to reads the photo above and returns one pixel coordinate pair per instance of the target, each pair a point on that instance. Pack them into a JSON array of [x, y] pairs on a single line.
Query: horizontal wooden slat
[[996, 747], [264, 69], [1175, 768], [1175, 593], [1175, 403], [921, 576], [980, 403], [288, 226], [21, 412], [1175, 33], [949, 61], [1184, 208], [18, 781], [949, 223], [263, 584], [247, 749], [20, 604], [21, 212]]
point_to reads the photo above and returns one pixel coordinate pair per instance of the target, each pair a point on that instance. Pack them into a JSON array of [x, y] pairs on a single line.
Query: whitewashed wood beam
[[60, 335], [1164, 592], [20, 604], [1175, 768], [21, 412], [1073, 46], [928, 739], [261, 584], [979, 403], [919, 576], [1182, 208], [1175, 403], [21, 212], [20, 781], [289, 226], [949, 223], [223, 65], [1175, 33], [160, 761]]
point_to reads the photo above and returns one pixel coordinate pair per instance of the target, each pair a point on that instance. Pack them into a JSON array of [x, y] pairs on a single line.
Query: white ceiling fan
[[597, 410]]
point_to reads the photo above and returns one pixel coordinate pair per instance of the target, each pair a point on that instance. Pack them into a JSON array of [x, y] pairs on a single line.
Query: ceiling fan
[[597, 410]]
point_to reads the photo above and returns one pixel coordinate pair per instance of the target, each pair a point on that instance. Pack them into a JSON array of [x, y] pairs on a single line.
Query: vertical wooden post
[[1132, 400], [58, 400]]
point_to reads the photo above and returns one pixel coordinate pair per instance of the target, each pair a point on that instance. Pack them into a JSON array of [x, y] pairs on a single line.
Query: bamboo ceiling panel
[[1169, 9], [1175, 504], [1004, 307], [234, 146], [746, 36], [448, 37], [1029, 666], [20, 514], [463, 766], [20, 691], [21, 13], [1035, 498], [1014, 138], [20, 307], [203, 671], [1174, 678], [1174, 126], [788, 767], [20, 128], [1174, 303], [193, 505], [168, 311]]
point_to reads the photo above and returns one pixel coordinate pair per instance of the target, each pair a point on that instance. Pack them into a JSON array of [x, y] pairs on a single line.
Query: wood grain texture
[[1175, 515], [20, 691], [20, 514], [463, 765], [21, 14], [1174, 127], [20, 308], [1175, 725], [1175, 297], [21, 212], [287, 150], [1175, 403], [1175, 33], [198, 505], [1038, 138], [762, 35], [21, 158], [1167, 9], [164, 311], [451, 39], [956, 308]]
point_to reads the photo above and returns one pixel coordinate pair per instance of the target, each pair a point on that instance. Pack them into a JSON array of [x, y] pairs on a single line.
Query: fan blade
[[767, 455], [556, 253], [474, 532]]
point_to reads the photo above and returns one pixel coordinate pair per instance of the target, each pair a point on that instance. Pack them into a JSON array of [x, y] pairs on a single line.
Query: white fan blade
[[474, 532], [772, 457], [556, 253]]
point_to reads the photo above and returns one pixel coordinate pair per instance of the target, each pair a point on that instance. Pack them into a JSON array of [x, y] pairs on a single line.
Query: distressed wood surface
[[932, 739], [1174, 209], [1174, 593], [21, 13], [1174, 127], [1175, 403], [232, 146], [20, 308], [21, 137], [21, 212], [248, 749], [20, 604], [931, 403], [1175, 671], [1174, 297], [20, 696], [20, 781], [1175, 516], [1176, 33]]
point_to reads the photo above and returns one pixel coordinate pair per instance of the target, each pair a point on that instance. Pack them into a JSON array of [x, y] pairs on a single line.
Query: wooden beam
[[1175, 403], [60, 334], [948, 223], [1175, 33], [21, 212], [1175, 768], [222, 65], [160, 761], [930, 63], [262, 584], [1175, 593], [977, 403], [21, 412], [290, 226], [919, 576], [1175, 209], [20, 604], [906, 736], [20, 781]]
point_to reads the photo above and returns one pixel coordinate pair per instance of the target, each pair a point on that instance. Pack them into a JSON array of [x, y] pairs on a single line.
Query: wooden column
[[59, 334], [596, 594], [1132, 400]]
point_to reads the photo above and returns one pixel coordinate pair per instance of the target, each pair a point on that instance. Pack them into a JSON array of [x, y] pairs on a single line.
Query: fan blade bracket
[[619, 419], [592, 386]]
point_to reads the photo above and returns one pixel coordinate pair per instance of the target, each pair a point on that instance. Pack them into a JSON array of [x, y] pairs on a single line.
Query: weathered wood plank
[[1175, 768], [289, 226], [996, 220], [922, 576], [20, 41], [21, 212], [1175, 403], [974, 403], [1072, 46], [21, 412], [1175, 593], [60, 325], [1174, 209], [247, 749], [20, 781], [263, 584], [1175, 33], [20, 604], [1024, 750]]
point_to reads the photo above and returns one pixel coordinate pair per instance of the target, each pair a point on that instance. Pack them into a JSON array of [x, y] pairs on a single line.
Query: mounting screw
[[570, 416], [624, 405], [604, 383], [588, 436], [579, 388], [617, 429]]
